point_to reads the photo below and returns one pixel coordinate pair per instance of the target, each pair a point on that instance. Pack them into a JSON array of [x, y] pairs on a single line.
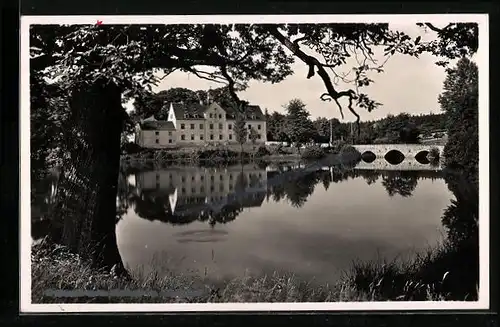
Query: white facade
[[161, 137], [204, 125]]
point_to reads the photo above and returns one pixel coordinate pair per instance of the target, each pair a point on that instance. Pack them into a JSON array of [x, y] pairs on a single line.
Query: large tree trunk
[[85, 212]]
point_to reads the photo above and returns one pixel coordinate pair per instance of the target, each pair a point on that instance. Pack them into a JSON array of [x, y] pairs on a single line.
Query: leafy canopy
[[459, 101], [240, 130], [129, 55], [299, 127]]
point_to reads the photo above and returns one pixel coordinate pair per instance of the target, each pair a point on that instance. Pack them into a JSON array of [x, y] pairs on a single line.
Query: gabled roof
[[158, 125], [194, 111], [184, 111]]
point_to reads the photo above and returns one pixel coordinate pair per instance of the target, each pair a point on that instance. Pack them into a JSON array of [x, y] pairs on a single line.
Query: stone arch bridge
[[408, 150]]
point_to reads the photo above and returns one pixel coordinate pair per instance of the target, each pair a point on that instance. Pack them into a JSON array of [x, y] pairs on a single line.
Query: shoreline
[[56, 271], [344, 156]]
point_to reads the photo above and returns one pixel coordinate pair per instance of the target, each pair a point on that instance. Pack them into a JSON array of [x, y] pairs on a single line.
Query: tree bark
[[85, 212]]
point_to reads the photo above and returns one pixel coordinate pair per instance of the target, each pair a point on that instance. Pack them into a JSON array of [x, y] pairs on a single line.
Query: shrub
[[350, 153], [148, 154], [262, 151], [220, 154], [434, 153], [313, 152], [161, 154], [131, 148], [276, 149], [337, 146]]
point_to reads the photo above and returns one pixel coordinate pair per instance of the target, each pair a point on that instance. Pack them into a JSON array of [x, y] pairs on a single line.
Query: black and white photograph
[[254, 162]]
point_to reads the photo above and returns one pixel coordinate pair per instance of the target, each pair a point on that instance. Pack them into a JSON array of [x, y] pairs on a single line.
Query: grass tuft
[[428, 276]]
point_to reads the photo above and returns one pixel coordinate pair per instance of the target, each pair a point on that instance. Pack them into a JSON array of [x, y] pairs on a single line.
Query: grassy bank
[[341, 153], [428, 276], [217, 154]]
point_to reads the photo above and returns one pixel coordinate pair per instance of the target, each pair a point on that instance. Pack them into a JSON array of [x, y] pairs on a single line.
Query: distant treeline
[[403, 128]]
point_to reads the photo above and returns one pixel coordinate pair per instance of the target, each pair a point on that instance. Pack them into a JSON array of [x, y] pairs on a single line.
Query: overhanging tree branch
[[313, 63], [436, 29]]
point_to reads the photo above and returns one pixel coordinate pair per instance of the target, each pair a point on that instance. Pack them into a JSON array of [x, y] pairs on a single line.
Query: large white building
[[197, 124]]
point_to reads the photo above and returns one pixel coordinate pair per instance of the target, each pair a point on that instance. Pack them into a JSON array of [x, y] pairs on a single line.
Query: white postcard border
[[25, 222]]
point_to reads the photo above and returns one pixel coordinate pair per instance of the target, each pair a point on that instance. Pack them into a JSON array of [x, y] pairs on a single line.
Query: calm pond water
[[251, 219]]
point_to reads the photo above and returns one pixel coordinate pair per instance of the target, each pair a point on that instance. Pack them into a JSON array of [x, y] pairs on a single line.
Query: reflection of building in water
[[191, 186]]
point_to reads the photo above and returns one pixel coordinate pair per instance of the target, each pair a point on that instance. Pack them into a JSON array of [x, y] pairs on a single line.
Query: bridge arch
[[423, 157], [368, 156], [394, 156]]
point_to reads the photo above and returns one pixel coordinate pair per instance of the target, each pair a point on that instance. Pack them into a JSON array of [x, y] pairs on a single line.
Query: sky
[[408, 84]]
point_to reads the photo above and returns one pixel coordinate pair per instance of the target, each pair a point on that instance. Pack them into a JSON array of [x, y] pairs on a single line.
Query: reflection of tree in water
[[460, 256], [370, 176], [400, 182], [125, 194], [227, 214], [241, 182], [299, 190], [295, 186], [461, 216], [278, 192], [326, 180]]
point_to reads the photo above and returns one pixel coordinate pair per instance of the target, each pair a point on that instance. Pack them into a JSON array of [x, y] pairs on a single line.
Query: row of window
[[211, 126], [220, 116], [212, 177], [157, 141], [202, 188], [183, 138], [221, 137], [158, 133], [212, 189]]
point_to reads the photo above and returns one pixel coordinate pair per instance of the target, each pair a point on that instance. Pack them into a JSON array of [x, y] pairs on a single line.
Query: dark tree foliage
[[275, 125], [459, 101], [240, 130], [48, 116], [253, 135], [299, 127], [157, 104], [402, 183]]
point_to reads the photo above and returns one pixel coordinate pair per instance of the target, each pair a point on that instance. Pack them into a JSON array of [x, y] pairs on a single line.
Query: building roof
[[189, 111], [253, 112], [158, 125], [193, 111]]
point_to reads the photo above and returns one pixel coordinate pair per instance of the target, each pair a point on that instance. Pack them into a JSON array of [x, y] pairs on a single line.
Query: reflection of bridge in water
[[407, 164]]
